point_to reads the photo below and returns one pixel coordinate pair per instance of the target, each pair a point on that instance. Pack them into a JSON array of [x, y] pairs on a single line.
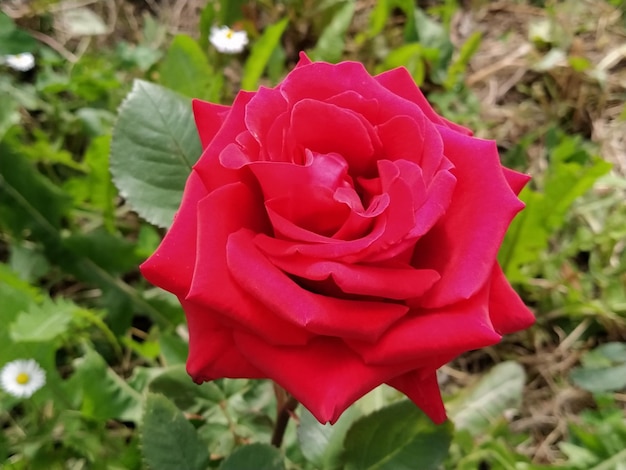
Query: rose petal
[[366, 107], [303, 59], [325, 376], [208, 166], [389, 283], [258, 120], [507, 311], [414, 139], [464, 245], [213, 353], [436, 202], [281, 179], [171, 265], [222, 212], [322, 82], [423, 391], [400, 82], [427, 334], [346, 251], [326, 128], [516, 180], [209, 118], [319, 314]]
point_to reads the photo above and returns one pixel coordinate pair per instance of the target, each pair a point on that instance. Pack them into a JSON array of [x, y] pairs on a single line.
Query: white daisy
[[22, 62], [22, 377], [228, 40]]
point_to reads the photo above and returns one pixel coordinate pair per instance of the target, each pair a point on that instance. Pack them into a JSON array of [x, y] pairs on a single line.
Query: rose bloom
[[337, 234]]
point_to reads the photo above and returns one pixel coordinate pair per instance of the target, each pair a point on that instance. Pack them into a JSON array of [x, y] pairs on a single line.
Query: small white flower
[[228, 40], [22, 62], [22, 377]]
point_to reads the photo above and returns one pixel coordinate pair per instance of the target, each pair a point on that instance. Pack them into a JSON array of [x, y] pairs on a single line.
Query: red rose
[[336, 234]]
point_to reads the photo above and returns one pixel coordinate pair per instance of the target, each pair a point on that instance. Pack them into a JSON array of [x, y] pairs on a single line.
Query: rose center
[[22, 378]]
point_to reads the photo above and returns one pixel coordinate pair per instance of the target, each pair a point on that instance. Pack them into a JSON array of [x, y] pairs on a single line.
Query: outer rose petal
[[400, 82], [483, 198], [423, 391], [507, 311], [516, 180], [325, 376], [208, 166], [171, 265], [222, 212], [213, 353], [209, 118], [425, 335]]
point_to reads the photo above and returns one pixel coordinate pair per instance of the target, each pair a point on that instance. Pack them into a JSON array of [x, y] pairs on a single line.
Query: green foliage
[[572, 172], [603, 369], [479, 407], [261, 54], [168, 440], [154, 147], [598, 442], [258, 456], [14, 40], [329, 47], [397, 437], [186, 70], [322, 444]]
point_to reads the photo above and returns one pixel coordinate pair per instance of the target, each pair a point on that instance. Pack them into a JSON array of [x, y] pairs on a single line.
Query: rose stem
[[282, 419]]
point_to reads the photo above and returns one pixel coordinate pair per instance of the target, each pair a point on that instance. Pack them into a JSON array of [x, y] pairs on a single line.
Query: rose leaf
[[154, 146], [168, 440], [397, 437]]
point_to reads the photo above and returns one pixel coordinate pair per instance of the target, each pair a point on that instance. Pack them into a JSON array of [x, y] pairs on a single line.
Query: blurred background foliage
[[546, 79]]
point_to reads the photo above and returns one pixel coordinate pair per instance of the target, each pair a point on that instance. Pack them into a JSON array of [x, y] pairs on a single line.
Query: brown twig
[[284, 413]]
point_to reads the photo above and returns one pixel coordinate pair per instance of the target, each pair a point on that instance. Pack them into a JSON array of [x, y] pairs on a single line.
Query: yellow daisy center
[[230, 33], [22, 378]]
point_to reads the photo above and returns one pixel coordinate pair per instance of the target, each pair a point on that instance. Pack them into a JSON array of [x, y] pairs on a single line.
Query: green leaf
[[28, 261], [112, 253], [9, 113], [96, 188], [43, 322], [21, 185], [14, 40], [105, 395], [409, 56], [174, 383], [261, 53], [397, 437], [254, 456], [572, 172], [30, 203], [154, 146], [458, 67], [331, 42], [378, 18], [321, 444], [432, 35], [497, 391], [168, 440], [603, 370], [16, 296], [186, 70], [231, 11]]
